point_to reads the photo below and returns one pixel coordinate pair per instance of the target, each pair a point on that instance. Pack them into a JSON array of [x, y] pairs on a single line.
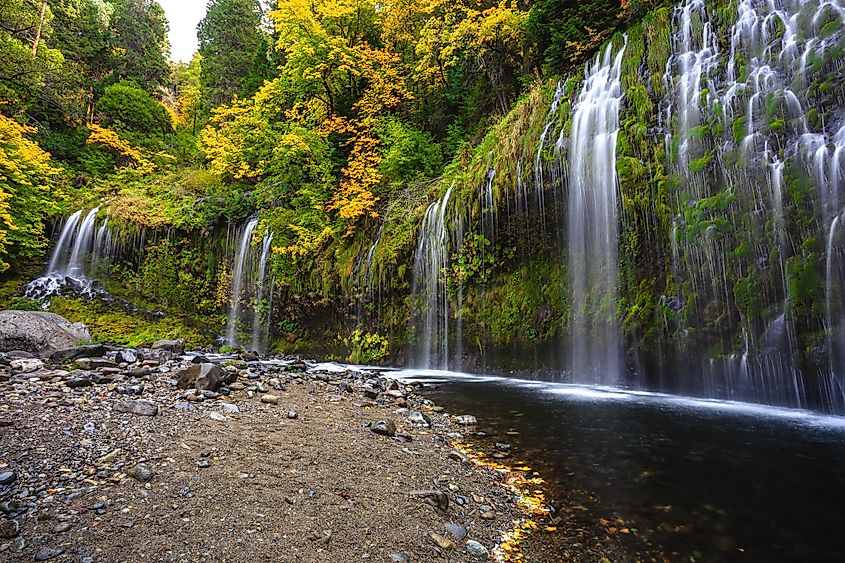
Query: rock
[[139, 371], [8, 477], [384, 427], [70, 354], [229, 408], [185, 406], [249, 356], [271, 399], [27, 365], [175, 346], [217, 416], [77, 382], [8, 528], [442, 541], [292, 415], [458, 455], [437, 499], [39, 332], [371, 392], [262, 387], [128, 356], [419, 419], [141, 473], [400, 557], [503, 447], [199, 359], [466, 420], [62, 527], [205, 377], [18, 354], [455, 530], [477, 550], [47, 553], [138, 407], [203, 463]]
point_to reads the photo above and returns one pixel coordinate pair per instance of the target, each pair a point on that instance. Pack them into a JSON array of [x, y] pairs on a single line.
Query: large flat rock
[[39, 332]]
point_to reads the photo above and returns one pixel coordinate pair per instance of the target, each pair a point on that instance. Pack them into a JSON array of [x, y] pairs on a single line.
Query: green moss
[[739, 129], [115, 326]]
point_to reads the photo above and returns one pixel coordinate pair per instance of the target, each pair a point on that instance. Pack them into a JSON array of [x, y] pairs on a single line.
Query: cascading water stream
[[430, 288], [239, 281], [82, 246], [63, 244], [593, 223], [260, 319]]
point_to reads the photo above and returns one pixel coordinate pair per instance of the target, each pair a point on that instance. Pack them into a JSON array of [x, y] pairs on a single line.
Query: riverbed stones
[[141, 473], [127, 356], [175, 346], [204, 377], [419, 419], [442, 541], [47, 553], [8, 477], [466, 420], [477, 550], [8, 528], [270, 399], [216, 416], [70, 354], [139, 407], [455, 530], [26, 365], [384, 427]]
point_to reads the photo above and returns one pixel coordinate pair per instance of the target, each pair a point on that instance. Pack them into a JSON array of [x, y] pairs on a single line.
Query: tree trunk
[[38, 29]]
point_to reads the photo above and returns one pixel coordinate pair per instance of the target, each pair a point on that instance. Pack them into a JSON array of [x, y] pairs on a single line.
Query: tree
[[125, 107], [28, 193], [139, 46], [233, 48]]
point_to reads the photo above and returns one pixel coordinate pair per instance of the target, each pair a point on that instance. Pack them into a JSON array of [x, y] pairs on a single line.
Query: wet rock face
[[39, 333]]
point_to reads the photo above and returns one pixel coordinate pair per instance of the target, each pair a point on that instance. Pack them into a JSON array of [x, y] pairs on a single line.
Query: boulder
[[39, 332], [175, 346], [70, 354], [205, 377]]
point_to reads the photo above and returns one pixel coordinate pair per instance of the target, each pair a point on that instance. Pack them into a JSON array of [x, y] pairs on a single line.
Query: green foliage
[[367, 348], [126, 108], [137, 35], [234, 50]]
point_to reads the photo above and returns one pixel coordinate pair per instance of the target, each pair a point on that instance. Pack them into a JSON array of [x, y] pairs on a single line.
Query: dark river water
[[702, 480]]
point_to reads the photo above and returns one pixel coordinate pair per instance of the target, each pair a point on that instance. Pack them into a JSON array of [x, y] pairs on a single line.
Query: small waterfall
[[593, 223], [239, 281], [63, 245], [261, 318], [82, 246], [365, 280], [430, 289]]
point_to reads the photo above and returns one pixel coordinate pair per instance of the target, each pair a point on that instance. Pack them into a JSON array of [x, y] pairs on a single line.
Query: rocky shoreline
[[110, 454]]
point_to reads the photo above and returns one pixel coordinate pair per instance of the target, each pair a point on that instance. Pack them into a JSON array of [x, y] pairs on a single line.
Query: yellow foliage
[[110, 139], [307, 243]]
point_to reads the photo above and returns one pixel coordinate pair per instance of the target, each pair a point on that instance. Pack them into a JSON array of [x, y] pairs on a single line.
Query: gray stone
[[175, 346], [455, 530], [384, 427], [128, 356], [47, 553], [217, 416], [370, 392], [70, 354], [62, 527], [8, 477], [79, 382], [419, 419], [8, 528], [292, 415], [39, 332], [27, 365], [185, 406], [477, 550], [262, 387], [141, 473], [230, 408], [138, 407]]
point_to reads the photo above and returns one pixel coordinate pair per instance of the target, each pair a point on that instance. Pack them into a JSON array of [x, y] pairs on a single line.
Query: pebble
[[262, 387], [466, 420], [138, 407], [442, 541], [455, 530], [214, 415], [203, 463], [384, 427], [292, 415], [8, 477], [62, 527], [47, 553], [477, 550], [141, 473], [270, 399], [8, 528], [230, 408]]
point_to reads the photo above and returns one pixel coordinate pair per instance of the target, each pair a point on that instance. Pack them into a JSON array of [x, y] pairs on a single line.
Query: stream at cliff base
[[697, 479]]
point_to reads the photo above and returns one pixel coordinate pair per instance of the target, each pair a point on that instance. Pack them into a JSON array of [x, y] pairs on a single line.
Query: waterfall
[[239, 281], [430, 288], [593, 223], [365, 281], [63, 244], [261, 320], [82, 245]]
